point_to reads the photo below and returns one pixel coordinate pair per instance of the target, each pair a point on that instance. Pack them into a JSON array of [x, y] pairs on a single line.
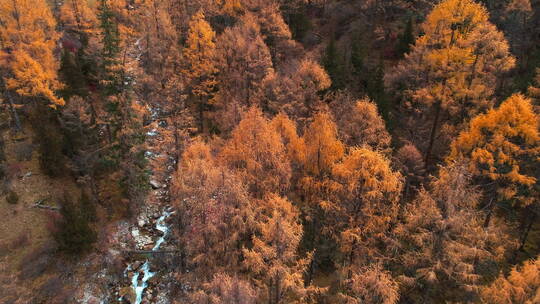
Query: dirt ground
[[24, 236]]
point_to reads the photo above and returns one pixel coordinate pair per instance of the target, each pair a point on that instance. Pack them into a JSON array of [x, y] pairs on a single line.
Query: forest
[[269, 151]]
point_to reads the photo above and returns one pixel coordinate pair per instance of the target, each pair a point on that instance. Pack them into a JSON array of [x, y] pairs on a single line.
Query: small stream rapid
[[139, 281]]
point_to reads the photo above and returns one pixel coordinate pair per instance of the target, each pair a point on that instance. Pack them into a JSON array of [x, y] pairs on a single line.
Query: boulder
[[155, 184]]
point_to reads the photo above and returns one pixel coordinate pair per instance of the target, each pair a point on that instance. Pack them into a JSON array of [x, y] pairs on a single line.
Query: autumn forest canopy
[[270, 151]]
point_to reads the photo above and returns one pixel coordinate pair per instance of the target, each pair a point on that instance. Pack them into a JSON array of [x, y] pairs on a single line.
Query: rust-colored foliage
[[366, 202], [77, 15], [257, 153], [273, 259], [224, 289], [371, 285], [362, 125], [215, 211], [443, 241], [521, 286]]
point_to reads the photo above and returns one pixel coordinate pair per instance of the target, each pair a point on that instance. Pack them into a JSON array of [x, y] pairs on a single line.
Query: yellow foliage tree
[[29, 38], [503, 145], [365, 202], [450, 75], [323, 148], [294, 144], [257, 153]]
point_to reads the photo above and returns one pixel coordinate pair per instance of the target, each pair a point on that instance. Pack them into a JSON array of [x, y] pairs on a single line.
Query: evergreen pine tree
[[74, 234], [111, 78], [405, 39], [358, 54], [333, 66], [375, 90]]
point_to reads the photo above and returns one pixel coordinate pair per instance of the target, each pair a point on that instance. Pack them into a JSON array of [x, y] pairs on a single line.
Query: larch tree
[[225, 289], [521, 286], [323, 150], [29, 38], [257, 153], [451, 74], [78, 16], [200, 63], [294, 144], [365, 204], [295, 90], [160, 42], [215, 213], [323, 147], [371, 285], [361, 125], [273, 261], [411, 164], [243, 61], [502, 148], [444, 251]]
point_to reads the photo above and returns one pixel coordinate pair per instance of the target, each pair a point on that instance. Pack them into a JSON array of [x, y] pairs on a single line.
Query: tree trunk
[[427, 157], [310, 271], [13, 112], [526, 233], [490, 212], [201, 115]]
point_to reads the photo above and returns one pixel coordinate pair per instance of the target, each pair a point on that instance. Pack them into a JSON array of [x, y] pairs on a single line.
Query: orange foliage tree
[[361, 125], [323, 148], [29, 37], [450, 75], [372, 285], [503, 146], [273, 260], [77, 15], [256, 152], [215, 213], [243, 61], [199, 61], [521, 286], [443, 250], [224, 289], [365, 203]]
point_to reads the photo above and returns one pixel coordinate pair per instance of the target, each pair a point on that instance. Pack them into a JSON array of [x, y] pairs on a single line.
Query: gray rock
[[155, 184]]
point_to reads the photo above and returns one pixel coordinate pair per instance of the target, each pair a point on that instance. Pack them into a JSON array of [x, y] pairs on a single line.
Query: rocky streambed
[[144, 245]]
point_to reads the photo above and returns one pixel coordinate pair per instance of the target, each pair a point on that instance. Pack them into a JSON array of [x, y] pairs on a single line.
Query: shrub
[[72, 231], [12, 197]]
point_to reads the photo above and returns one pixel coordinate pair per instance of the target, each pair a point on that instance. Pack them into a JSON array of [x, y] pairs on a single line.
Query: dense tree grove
[[328, 151]]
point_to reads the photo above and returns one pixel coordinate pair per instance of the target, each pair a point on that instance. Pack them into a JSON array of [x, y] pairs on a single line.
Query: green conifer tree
[[405, 39], [333, 65]]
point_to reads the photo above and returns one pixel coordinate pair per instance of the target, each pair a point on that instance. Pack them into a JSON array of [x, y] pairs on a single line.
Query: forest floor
[[24, 233], [31, 268]]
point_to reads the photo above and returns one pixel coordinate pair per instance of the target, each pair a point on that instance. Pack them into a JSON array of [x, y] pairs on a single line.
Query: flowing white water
[[139, 286]]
